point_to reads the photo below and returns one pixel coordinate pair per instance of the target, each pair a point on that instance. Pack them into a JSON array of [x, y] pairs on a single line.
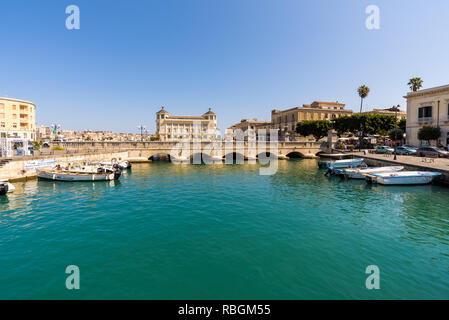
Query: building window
[[425, 112], [14, 116], [2, 125], [14, 125], [13, 107], [2, 116], [2, 106]]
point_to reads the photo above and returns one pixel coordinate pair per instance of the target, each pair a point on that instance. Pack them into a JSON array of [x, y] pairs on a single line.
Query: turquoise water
[[168, 231]]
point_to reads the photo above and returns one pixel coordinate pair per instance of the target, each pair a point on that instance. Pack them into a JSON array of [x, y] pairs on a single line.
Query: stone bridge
[[147, 150]]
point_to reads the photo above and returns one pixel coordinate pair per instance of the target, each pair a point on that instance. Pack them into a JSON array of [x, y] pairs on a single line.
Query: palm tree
[[363, 93], [415, 84]]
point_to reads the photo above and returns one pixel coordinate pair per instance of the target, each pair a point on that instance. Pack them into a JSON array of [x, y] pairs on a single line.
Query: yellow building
[[399, 114], [17, 118], [286, 120]]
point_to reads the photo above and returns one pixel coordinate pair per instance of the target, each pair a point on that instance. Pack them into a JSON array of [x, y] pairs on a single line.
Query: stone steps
[[4, 161]]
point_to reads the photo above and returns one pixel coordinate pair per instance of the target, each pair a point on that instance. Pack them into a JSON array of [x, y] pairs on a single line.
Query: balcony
[[425, 120]]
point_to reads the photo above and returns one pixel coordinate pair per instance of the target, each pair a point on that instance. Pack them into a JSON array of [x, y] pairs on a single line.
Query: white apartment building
[[428, 107]]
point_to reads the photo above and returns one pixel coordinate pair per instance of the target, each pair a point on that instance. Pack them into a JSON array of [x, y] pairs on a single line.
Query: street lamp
[[396, 138], [141, 128], [55, 127]]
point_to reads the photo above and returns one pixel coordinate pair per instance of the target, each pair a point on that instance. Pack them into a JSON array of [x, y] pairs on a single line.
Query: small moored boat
[[67, 175], [122, 164], [338, 164], [404, 177], [356, 173]]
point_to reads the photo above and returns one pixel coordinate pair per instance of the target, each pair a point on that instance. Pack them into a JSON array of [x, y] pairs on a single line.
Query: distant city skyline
[[240, 58]]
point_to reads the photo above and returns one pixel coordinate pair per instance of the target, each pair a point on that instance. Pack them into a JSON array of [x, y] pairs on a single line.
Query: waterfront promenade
[[425, 163]]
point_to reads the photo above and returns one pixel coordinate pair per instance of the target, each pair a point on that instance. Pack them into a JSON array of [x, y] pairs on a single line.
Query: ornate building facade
[[174, 128]]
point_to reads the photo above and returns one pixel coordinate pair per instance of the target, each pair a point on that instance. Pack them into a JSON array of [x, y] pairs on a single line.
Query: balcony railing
[[424, 119]]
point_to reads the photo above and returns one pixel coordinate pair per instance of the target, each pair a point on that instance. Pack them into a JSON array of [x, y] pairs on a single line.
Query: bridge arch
[[203, 157], [267, 154], [295, 155], [235, 156], [160, 157]]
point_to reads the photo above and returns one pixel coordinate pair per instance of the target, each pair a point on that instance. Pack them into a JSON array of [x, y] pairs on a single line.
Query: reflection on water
[[224, 231]]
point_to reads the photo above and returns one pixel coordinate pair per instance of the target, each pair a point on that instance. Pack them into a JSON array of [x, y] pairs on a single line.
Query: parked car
[[406, 151], [432, 152], [409, 146], [384, 149]]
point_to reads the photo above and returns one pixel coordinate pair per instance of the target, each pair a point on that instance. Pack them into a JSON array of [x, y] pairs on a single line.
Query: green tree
[[317, 128], [415, 84], [402, 124], [428, 133], [37, 145], [395, 134], [367, 123], [363, 92]]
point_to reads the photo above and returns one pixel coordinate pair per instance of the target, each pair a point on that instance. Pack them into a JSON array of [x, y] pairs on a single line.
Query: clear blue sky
[[243, 58]]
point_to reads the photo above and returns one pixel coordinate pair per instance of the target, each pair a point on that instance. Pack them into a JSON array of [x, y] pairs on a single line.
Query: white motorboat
[[122, 164], [338, 164], [68, 175], [404, 177], [6, 187], [359, 173]]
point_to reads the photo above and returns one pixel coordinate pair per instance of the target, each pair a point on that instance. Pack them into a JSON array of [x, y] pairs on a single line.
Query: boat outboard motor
[[117, 173], [3, 189]]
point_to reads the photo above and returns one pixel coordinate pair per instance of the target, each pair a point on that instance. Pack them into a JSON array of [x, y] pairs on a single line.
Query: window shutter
[[420, 112]]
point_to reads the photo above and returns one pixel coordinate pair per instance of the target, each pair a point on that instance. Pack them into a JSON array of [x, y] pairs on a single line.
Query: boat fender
[[117, 174], [3, 189]]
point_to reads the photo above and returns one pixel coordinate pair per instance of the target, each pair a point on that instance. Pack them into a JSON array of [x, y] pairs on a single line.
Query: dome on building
[[162, 110], [209, 112]]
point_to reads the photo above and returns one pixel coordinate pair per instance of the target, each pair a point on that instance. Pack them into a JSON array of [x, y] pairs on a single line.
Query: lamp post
[[55, 127], [396, 138], [141, 128]]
